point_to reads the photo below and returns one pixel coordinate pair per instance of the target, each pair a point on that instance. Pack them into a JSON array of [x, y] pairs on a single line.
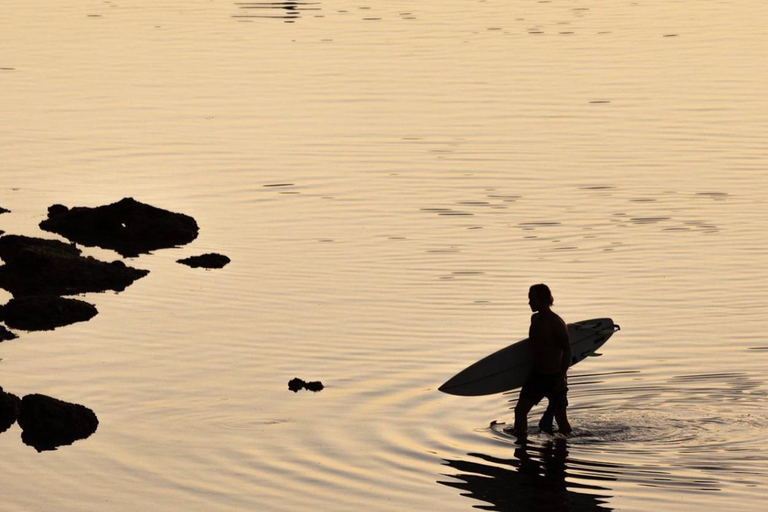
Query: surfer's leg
[[561, 414], [523, 407], [545, 423], [563, 425]]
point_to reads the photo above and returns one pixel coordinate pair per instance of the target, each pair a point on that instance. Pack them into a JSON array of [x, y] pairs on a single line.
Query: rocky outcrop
[[296, 384], [210, 260], [9, 409], [128, 226], [44, 313], [34, 266], [48, 423]]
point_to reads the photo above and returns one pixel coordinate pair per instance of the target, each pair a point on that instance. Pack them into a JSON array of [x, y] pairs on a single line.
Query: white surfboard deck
[[510, 367]]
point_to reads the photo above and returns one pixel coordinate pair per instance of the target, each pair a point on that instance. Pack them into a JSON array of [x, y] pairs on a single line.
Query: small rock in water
[[48, 423], [314, 386], [44, 313], [296, 384], [210, 260], [128, 226], [9, 409]]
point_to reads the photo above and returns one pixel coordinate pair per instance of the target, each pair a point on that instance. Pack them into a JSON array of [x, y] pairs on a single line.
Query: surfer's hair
[[542, 291]]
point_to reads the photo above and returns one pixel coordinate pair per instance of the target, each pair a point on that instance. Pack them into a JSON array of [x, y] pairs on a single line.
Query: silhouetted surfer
[[551, 355]]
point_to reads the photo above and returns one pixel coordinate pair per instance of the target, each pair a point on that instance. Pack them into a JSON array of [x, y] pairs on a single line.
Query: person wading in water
[[551, 349]]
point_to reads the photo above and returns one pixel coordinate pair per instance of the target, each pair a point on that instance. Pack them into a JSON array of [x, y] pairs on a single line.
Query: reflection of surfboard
[[510, 367]]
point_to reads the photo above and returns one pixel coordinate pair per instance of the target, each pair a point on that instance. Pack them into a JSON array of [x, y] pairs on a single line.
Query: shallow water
[[388, 181]]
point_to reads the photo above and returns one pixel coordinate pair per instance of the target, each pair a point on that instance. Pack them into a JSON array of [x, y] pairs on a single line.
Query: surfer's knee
[[523, 407]]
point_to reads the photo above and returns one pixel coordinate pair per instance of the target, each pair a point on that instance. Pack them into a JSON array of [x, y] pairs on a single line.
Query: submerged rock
[[48, 423], [128, 226], [210, 260], [6, 335], [34, 266], [9, 409], [44, 313], [296, 384]]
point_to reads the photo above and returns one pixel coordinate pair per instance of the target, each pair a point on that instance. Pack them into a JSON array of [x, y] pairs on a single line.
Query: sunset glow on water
[[388, 180]]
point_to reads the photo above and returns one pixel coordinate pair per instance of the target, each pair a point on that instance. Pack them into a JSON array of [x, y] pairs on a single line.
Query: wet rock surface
[[209, 260], [48, 423], [6, 335], [9, 409], [127, 226], [44, 313], [297, 384], [34, 266]]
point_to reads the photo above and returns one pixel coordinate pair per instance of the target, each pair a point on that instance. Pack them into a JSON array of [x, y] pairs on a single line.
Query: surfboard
[[510, 367]]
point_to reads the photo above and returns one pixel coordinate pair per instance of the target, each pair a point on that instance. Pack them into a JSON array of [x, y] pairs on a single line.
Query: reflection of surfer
[[537, 479], [551, 355]]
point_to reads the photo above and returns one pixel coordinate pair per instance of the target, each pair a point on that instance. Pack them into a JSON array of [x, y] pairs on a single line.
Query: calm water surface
[[434, 160]]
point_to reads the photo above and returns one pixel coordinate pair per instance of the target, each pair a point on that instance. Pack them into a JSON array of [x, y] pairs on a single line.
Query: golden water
[[436, 158]]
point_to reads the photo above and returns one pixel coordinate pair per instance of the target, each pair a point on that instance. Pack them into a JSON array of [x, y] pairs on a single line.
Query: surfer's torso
[[549, 336]]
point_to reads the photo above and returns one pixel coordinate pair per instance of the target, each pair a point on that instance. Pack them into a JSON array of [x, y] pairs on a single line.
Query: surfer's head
[[540, 296]]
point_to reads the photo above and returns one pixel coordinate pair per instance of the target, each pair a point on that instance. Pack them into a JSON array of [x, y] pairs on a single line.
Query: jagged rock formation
[[34, 266], [127, 226], [45, 312]]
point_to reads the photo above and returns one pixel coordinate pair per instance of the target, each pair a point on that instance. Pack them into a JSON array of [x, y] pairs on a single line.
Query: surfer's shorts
[[550, 386]]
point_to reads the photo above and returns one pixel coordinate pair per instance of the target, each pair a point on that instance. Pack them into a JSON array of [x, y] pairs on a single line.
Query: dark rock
[[314, 386], [34, 266], [9, 409], [128, 226], [210, 260], [3, 210], [296, 384], [48, 423], [6, 335], [46, 312]]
